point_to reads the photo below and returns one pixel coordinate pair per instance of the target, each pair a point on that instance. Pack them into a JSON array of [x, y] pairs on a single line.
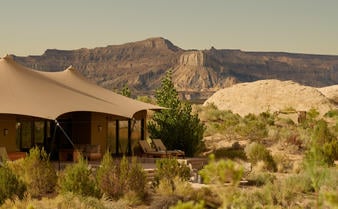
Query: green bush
[[256, 198], [286, 192], [188, 205], [176, 186], [78, 179], [210, 198], [117, 179], [169, 168], [257, 152], [332, 113], [260, 178], [323, 147], [222, 171], [10, 185], [230, 153], [37, 172], [283, 163], [252, 128], [164, 201]]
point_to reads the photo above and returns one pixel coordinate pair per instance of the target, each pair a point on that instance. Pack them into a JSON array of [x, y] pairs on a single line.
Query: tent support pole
[[129, 152], [53, 145], [64, 133]]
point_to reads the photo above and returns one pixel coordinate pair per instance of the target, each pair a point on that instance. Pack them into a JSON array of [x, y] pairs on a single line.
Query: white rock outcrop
[[272, 95]]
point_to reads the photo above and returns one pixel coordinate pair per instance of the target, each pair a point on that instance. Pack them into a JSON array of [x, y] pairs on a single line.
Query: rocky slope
[[330, 92], [270, 95], [196, 73]]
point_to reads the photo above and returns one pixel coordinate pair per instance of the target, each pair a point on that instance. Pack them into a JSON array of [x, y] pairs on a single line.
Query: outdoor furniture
[[16, 155], [4, 155], [66, 154], [149, 151], [161, 147], [88, 151]]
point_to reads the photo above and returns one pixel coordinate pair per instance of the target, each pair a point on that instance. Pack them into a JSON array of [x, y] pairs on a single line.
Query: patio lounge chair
[[161, 147], [149, 151]]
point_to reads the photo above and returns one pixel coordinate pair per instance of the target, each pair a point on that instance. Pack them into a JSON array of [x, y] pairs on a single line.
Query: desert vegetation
[[292, 165], [269, 160]]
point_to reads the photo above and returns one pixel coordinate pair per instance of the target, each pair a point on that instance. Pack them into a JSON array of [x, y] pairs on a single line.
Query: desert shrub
[[219, 121], [79, 179], [255, 199], [286, 192], [10, 185], [176, 187], [260, 178], [332, 113], [37, 172], [76, 201], [267, 118], [322, 178], [335, 129], [330, 200], [210, 198], [230, 153], [252, 128], [64, 201], [164, 201], [323, 147], [283, 163], [211, 113], [222, 171], [121, 178], [169, 168], [256, 152], [188, 205]]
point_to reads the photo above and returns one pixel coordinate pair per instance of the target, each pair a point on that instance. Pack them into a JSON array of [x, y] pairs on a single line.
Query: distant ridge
[[197, 74]]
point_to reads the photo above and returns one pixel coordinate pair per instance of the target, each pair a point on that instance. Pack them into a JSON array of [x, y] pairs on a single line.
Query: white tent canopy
[[48, 95]]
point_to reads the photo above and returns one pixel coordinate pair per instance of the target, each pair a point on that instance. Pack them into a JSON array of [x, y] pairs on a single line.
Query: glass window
[[111, 143], [39, 132], [123, 133], [30, 133], [26, 135]]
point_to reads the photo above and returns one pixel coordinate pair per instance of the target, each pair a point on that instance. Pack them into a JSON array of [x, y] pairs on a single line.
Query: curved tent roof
[[50, 94]]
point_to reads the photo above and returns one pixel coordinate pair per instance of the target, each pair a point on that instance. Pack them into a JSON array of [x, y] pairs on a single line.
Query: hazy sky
[[29, 27]]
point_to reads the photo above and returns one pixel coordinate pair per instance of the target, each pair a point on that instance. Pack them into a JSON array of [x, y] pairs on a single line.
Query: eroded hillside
[[196, 73]]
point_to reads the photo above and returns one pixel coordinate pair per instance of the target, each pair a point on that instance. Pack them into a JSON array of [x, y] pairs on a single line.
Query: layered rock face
[[196, 73]]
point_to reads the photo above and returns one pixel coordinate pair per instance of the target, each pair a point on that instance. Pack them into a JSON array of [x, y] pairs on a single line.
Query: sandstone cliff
[[196, 73]]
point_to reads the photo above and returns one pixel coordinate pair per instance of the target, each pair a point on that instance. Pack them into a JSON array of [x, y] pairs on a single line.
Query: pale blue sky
[[29, 27]]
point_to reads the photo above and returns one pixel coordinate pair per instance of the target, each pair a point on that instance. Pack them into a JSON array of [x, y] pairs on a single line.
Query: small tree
[[176, 126], [323, 146], [125, 91]]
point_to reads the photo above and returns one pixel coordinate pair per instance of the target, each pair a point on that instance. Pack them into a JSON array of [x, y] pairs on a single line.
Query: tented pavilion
[[57, 110]]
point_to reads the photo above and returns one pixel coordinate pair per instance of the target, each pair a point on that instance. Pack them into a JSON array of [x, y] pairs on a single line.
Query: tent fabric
[[25, 91]]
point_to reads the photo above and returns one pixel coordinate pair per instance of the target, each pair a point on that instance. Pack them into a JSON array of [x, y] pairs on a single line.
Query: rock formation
[[270, 95], [197, 74]]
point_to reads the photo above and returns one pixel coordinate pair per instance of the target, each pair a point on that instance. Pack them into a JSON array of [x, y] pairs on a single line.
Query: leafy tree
[[176, 126]]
